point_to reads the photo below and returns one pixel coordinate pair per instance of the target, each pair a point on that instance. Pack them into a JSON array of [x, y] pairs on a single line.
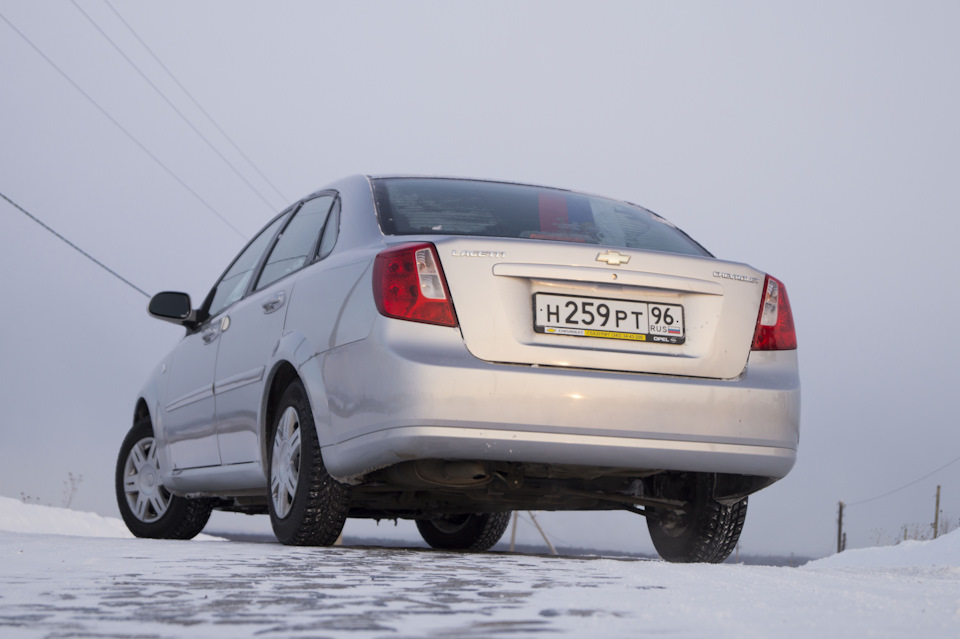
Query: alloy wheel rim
[[142, 486], [285, 462]]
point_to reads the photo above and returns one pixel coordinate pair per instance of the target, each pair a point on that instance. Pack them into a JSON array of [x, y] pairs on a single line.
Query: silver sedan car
[[451, 350]]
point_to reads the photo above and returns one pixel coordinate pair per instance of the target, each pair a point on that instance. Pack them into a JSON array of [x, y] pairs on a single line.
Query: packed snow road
[[59, 586]]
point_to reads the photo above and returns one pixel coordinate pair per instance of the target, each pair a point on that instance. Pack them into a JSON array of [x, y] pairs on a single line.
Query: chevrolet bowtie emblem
[[613, 258]]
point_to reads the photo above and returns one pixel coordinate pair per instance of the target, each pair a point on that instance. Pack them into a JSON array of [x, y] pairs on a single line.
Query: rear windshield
[[442, 206]]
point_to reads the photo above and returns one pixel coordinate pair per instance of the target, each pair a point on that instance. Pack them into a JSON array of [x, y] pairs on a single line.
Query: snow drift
[[16, 516], [944, 551]]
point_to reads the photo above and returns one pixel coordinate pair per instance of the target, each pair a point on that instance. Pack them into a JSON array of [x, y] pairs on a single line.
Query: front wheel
[[147, 507], [308, 507], [707, 533], [478, 531]]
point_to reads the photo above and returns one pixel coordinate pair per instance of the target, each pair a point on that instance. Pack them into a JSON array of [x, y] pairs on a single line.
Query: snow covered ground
[[64, 573]]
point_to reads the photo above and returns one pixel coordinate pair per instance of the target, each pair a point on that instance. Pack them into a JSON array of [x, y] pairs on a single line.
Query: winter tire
[[464, 532], [708, 533], [147, 507], [307, 506]]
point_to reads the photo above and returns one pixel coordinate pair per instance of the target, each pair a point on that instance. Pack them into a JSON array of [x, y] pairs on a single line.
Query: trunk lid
[[546, 303]]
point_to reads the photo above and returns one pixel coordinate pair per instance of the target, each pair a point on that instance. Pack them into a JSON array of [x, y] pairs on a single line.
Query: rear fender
[[294, 350]]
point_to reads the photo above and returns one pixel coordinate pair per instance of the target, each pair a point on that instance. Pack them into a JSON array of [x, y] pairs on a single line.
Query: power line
[[197, 104], [77, 248], [125, 131], [172, 105], [914, 482]]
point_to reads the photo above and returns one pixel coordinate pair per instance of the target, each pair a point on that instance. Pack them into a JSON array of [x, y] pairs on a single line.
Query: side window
[[233, 284], [294, 248], [330, 232]]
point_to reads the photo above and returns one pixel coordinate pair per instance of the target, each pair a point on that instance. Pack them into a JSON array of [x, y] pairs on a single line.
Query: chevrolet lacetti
[[451, 350]]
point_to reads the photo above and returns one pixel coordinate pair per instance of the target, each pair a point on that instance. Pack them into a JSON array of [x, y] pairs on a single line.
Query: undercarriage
[[431, 488]]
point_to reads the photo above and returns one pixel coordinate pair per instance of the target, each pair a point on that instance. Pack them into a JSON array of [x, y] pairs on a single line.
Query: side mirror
[[172, 307]]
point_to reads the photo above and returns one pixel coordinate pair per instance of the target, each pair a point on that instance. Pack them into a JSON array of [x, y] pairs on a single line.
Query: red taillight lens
[[408, 284], [775, 330]]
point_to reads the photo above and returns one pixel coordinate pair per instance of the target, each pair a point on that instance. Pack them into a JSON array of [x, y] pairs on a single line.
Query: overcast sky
[[817, 141]]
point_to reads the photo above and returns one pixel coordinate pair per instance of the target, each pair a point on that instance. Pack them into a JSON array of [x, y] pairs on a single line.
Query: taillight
[[408, 284], [775, 330]]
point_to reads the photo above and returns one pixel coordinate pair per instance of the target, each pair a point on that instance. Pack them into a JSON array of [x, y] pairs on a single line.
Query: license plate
[[608, 318]]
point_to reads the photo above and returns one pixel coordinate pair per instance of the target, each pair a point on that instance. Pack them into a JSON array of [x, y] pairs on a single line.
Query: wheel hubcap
[[452, 524], [285, 462], [147, 498], [673, 524]]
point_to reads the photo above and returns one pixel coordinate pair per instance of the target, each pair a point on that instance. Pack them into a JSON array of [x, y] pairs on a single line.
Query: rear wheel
[[479, 531], [707, 533], [147, 507], [308, 507]]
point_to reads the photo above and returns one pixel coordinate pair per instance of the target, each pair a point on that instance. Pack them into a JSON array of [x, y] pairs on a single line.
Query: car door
[[188, 417], [252, 330]]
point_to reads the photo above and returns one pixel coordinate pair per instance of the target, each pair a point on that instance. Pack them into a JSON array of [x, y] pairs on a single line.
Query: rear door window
[[297, 243]]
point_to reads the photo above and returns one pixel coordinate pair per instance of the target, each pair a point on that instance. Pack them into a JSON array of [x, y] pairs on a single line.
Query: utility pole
[[542, 534], [936, 514], [840, 534]]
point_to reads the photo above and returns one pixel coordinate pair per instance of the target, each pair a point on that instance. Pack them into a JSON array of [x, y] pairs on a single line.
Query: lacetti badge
[[468, 253], [736, 277], [613, 258]]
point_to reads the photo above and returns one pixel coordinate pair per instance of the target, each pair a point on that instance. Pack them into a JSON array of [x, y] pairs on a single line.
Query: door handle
[[274, 303]]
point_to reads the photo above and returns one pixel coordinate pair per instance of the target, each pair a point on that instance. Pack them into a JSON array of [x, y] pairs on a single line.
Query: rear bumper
[[411, 392], [405, 443]]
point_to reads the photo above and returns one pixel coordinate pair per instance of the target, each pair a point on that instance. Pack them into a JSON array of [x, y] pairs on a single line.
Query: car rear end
[[531, 326]]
